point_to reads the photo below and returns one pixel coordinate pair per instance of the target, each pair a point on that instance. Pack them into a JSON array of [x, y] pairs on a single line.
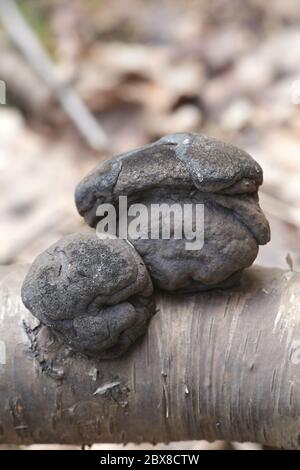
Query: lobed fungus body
[[96, 294], [183, 169]]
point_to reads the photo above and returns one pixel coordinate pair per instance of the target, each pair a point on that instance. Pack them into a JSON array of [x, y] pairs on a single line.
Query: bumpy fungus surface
[[185, 168], [96, 294]]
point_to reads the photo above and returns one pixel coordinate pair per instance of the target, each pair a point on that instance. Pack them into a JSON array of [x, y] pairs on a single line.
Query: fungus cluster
[[97, 294]]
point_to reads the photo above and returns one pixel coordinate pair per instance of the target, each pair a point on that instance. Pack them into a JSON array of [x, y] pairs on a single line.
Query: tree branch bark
[[217, 365]]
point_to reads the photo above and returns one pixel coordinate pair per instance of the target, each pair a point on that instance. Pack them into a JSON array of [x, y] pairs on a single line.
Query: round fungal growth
[[186, 169], [96, 294]]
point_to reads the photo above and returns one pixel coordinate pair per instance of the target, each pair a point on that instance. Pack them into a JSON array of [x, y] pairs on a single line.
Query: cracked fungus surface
[[184, 168], [96, 294]]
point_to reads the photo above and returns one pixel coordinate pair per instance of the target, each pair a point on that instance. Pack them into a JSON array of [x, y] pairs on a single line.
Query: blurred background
[[86, 79]]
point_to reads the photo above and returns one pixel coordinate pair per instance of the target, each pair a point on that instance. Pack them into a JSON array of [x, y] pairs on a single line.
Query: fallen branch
[[217, 365]]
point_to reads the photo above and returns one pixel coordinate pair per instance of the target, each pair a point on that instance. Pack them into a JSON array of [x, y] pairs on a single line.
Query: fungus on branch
[[96, 294], [237, 353], [184, 169]]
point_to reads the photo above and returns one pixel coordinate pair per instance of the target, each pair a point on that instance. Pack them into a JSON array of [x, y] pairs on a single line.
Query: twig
[[28, 43]]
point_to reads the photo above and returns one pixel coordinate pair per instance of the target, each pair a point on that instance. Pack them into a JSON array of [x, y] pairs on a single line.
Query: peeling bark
[[216, 365]]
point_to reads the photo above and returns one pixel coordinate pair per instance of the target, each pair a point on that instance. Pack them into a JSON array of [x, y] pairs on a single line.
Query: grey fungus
[[187, 168], [95, 294]]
